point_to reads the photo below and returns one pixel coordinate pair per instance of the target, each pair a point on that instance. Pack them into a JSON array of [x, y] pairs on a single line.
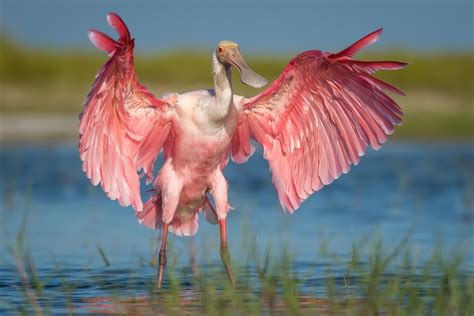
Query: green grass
[[373, 279], [450, 73], [42, 82]]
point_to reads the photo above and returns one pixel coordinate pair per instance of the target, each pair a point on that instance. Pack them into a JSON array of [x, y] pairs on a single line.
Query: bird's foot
[[225, 257], [161, 267]]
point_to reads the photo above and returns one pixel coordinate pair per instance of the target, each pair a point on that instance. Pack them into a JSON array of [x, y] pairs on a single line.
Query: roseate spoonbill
[[313, 122]]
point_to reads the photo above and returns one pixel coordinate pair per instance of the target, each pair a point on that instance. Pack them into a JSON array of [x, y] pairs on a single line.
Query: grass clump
[[373, 279]]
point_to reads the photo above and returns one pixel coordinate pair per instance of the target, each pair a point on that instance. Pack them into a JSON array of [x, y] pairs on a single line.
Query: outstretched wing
[[317, 118], [120, 117]]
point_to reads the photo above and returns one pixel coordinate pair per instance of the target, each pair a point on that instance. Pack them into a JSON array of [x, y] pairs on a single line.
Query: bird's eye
[[220, 50]]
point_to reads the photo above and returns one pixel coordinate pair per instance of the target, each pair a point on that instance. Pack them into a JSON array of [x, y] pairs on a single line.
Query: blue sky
[[259, 26]]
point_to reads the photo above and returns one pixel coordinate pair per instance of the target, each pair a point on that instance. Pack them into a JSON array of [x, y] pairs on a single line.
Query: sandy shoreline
[[14, 128]]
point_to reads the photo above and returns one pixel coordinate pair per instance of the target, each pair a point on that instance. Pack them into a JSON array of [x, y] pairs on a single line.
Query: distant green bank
[[44, 81]]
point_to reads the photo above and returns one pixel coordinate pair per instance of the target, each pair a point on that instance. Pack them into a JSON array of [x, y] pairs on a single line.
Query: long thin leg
[[194, 264], [162, 257], [225, 256]]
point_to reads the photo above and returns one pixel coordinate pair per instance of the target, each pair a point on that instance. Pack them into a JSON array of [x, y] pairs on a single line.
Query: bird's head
[[228, 53]]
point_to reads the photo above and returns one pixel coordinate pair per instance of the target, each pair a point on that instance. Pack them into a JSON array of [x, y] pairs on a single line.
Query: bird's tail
[[185, 226], [151, 217]]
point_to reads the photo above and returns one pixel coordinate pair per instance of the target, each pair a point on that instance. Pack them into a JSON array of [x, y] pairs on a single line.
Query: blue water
[[420, 190]]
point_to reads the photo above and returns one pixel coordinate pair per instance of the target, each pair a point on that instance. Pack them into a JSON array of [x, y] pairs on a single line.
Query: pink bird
[[313, 122]]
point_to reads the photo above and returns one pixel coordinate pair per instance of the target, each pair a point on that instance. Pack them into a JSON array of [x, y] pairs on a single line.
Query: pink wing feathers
[[317, 118], [119, 119]]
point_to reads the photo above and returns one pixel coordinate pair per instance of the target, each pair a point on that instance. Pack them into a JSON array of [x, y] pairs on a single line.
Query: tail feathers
[[151, 217], [350, 51], [185, 226]]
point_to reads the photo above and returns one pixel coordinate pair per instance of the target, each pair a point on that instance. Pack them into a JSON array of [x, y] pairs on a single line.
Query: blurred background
[[419, 184], [47, 63]]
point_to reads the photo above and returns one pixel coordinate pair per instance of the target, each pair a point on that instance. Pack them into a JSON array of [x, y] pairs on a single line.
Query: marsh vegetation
[[45, 82]]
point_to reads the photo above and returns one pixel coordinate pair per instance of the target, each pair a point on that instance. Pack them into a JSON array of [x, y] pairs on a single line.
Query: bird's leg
[[162, 256], [194, 264], [224, 251]]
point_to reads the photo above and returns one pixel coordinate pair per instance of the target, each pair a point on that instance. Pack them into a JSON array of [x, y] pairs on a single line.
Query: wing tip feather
[[102, 41], [365, 41], [117, 23]]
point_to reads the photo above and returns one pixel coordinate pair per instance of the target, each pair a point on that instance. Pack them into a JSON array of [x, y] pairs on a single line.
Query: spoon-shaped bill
[[247, 75]]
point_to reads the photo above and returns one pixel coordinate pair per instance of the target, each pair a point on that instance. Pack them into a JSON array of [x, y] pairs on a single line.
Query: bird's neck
[[223, 89]]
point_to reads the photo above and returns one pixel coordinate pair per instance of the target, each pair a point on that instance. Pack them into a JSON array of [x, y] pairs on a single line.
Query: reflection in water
[[190, 303]]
